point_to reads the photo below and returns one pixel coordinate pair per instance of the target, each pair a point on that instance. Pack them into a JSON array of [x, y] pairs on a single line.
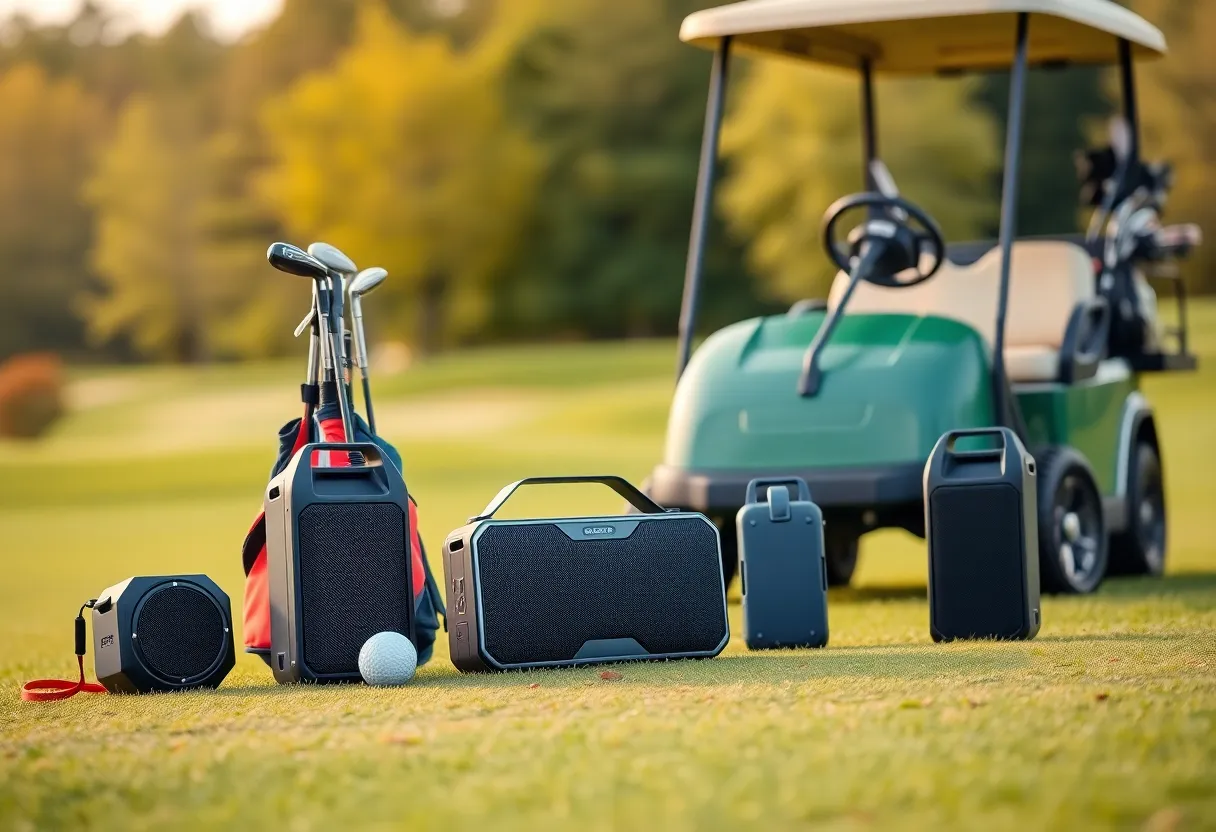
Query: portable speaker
[[782, 567], [337, 562], [572, 591], [160, 633], [982, 526]]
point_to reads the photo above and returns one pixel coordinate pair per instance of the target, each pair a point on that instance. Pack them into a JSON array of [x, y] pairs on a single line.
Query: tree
[[149, 245], [616, 102], [793, 141], [48, 137], [400, 155], [1060, 105], [1177, 98]]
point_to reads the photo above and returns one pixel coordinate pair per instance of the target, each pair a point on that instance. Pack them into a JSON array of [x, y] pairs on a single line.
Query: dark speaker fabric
[[354, 581], [982, 528], [179, 631], [162, 633], [544, 595], [976, 542]]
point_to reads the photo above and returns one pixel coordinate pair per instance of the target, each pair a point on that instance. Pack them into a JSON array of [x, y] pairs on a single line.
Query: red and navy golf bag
[[326, 426]]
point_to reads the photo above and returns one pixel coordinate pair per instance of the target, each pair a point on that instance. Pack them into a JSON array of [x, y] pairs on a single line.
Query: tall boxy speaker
[[337, 560], [573, 591], [161, 633], [982, 527]]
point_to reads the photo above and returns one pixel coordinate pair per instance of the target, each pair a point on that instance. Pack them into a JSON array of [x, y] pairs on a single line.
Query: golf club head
[[366, 281], [294, 260], [333, 259]]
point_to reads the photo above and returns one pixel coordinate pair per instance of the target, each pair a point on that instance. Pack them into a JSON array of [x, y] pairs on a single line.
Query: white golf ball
[[387, 659]]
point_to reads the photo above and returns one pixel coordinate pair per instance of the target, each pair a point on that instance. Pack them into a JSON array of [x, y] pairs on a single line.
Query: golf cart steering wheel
[[888, 241]]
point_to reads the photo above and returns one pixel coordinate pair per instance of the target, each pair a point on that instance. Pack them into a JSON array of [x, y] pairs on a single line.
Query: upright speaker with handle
[[337, 560], [162, 633], [981, 522], [573, 591]]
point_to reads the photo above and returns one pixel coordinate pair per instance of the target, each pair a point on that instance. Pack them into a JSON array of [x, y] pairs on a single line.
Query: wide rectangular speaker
[[982, 528], [572, 591], [338, 561]]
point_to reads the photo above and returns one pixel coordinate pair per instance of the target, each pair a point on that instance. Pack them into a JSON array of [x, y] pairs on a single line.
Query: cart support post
[[1127, 83], [702, 204], [1009, 216], [869, 134]]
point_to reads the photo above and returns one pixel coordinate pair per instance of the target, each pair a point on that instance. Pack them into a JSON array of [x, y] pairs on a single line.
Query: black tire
[[1073, 545], [1141, 549], [840, 550], [730, 552]]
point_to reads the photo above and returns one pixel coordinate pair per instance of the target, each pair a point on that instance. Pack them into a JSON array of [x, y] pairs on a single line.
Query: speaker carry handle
[[753, 488], [620, 485], [373, 459], [945, 459]]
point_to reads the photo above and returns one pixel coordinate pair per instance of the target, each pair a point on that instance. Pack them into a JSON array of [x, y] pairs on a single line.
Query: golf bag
[[326, 426]]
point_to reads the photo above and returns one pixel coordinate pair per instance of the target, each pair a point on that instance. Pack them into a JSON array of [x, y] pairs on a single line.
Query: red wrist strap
[[50, 690]]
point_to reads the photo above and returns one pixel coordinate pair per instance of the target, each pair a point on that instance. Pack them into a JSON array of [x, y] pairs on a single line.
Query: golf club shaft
[[356, 313], [336, 329], [367, 404]]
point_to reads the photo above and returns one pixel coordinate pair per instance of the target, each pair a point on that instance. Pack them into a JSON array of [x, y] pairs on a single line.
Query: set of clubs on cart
[[334, 276]]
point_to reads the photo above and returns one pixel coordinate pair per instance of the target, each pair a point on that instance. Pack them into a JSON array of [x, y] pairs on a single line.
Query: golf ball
[[387, 659]]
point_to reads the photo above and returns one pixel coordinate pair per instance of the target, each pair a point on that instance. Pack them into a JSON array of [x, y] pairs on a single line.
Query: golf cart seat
[[1054, 321]]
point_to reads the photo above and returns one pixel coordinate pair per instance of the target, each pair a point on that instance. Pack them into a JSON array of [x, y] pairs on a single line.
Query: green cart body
[[1015, 332]]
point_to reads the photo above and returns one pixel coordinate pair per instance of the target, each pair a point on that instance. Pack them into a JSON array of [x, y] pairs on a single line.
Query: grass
[[1107, 720]]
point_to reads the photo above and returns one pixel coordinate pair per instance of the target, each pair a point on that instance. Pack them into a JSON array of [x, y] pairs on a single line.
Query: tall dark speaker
[[161, 633], [584, 590], [337, 561], [982, 527]]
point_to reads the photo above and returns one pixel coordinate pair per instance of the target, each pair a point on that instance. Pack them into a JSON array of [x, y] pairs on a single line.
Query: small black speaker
[[160, 633], [572, 591], [982, 527], [337, 560]]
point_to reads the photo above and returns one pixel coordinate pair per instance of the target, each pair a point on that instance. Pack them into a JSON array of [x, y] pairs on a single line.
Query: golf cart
[[1046, 336]]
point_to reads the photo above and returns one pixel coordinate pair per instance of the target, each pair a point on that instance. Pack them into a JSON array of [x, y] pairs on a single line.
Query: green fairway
[[1106, 720]]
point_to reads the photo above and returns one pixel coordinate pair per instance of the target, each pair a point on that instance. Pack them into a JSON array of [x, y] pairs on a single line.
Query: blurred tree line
[[524, 169]]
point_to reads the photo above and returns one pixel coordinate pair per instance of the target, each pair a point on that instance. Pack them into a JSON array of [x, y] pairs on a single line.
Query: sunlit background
[[524, 170]]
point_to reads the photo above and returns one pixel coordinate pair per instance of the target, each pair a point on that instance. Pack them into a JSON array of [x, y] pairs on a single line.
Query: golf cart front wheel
[[1073, 547], [1140, 550]]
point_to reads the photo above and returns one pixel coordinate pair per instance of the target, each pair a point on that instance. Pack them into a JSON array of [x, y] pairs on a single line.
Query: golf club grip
[[620, 485]]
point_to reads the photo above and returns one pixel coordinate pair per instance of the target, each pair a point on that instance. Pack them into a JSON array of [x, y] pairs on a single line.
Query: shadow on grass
[[863, 594], [1181, 583]]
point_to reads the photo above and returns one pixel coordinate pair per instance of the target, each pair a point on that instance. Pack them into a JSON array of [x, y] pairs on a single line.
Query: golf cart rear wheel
[[1140, 550], [1073, 547], [840, 551]]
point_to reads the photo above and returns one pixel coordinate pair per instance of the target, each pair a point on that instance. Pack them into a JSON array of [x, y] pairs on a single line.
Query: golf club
[[292, 260], [340, 267], [366, 281]]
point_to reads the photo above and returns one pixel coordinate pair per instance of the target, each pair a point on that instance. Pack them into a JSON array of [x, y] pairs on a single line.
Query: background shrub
[[31, 395]]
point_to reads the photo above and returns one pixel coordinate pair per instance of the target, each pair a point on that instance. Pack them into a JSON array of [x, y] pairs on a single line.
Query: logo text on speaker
[[107, 641], [593, 531]]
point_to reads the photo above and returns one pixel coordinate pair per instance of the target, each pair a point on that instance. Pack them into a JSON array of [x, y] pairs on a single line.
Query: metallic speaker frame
[[287, 497]]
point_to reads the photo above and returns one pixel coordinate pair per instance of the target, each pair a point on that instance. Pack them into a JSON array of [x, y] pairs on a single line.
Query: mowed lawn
[[1106, 720]]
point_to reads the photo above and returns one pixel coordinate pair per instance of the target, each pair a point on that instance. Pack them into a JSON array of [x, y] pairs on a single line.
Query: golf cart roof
[[926, 36]]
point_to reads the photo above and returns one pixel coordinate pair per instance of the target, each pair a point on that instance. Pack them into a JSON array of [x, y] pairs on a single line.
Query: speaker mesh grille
[[977, 546], [180, 632], [544, 595], [354, 580]]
